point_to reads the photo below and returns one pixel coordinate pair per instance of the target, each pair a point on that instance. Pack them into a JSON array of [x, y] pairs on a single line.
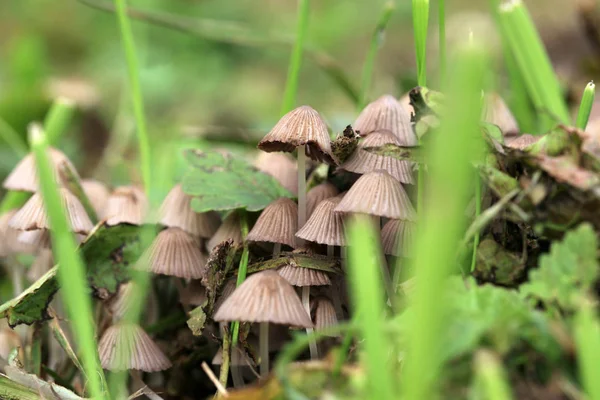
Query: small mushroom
[[97, 193], [176, 212], [229, 229], [386, 113], [126, 204], [42, 264], [9, 243], [497, 112], [325, 226], [277, 224], [281, 167], [521, 142], [324, 314], [317, 194]]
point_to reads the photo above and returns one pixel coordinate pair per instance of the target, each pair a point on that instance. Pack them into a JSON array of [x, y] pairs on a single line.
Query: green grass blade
[[58, 118], [477, 214], [242, 271], [13, 139], [587, 341], [522, 38], [368, 296], [456, 142], [293, 77], [136, 95], [491, 377], [71, 272], [585, 107], [420, 11], [376, 40], [442, 38]]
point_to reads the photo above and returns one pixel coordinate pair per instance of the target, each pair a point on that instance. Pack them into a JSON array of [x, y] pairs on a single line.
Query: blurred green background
[[195, 84]]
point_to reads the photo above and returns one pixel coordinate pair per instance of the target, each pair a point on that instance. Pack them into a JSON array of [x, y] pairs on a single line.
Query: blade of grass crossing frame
[[442, 38], [13, 139], [456, 143], [587, 341], [585, 107], [293, 77], [368, 297], [420, 11], [491, 377], [71, 273], [376, 40]]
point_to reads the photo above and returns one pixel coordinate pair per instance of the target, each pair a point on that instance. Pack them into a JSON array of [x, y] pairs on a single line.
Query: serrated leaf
[[222, 182], [567, 272]]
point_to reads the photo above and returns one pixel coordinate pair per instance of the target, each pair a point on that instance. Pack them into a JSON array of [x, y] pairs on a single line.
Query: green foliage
[[223, 182], [567, 272], [587, 340], [491, 377], [585, 106], [420, 26]]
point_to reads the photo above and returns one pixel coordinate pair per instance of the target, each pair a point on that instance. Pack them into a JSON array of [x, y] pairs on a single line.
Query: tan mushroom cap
[[317, 194], [264, 297], [496, 112], [362, 161], [324, 314], [33, 214], [405, 102], [39, 238], [280, 166], [42, 264], [277, 223], [299, 276], [386, 113], [24, 176], [176, 212], [126, 204], [324, 225], [9, 242], [175, 252], [301, 126], [97, 192], [229, 229], [521, 142], [397, 237], [126, 346], [378, 193]]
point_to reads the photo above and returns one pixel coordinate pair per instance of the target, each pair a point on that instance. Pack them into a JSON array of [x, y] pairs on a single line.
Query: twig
[[214, 379]]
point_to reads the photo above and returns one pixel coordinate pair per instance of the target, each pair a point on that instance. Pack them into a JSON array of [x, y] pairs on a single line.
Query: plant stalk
[[585, 107], [242, 271], [314, 352], [264, 349], [301, 190], [477, 214]]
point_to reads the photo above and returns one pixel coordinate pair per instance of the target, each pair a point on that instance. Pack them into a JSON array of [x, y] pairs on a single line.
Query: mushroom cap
[[362, 161], [378, 193], [496, 112], [324, 313], [9, 243], [280, 166], [521, 142], [127, 346], [126, 204], [97, 192], [175, 252], [42, 264], [317, 194], [24, 176], [121, 302], [39, 238], [264, 297], [325, 226], [277, 223], [386, 113], [301, 126], [176, 212], [300, 276], [397, 237], [229, 229], [33, 214], [405, 102]]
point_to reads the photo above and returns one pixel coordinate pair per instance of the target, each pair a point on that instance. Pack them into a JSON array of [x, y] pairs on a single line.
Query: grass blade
[[420, 10], [457, 141], [442, 38], [491, 376], [58, 118], [376, 40], [293, 77], [367, 296], [587, 341], [71, 273], [13, 139], [585, 107]]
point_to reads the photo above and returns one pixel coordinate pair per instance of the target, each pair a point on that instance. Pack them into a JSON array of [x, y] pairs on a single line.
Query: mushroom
[[264, 297], [126, 204], [24, 176], [386, 113], [325, 226], [277, 224], [42, 264], [9, 243], [126, 346], [281, 167], [362, 161], [397, 239], [229, 229], [496, 112], [521, 142], [238, 360], [39, 238], [176, 212], [301, 128], [97, 193], [317, 194], [324, 314]]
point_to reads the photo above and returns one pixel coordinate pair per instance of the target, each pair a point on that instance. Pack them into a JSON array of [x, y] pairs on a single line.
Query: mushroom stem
[[264, 349], [181, 290], [276, 250], [330, 251], [335, 293], [385, 271], [312, 344], [301, 187], [236, 375]]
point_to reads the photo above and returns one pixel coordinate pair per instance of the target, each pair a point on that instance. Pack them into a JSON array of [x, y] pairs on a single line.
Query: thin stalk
[[293, 76], [376, 41], [367, 295], [587, 341], [585, 107], [442, 39], [335, 293], [58, 118], [136, 94], [276, 250], [420, 12], [13, 139], [477, 213], [301, 189], [71, 273], [236, 375], [314, 352], [491, 376], [74, 186], [344, 351], [224, 374], [242, 270], [264, 349]]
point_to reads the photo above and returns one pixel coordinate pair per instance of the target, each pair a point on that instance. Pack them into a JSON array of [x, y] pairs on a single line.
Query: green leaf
[[567, 272], [223, 182], [109, 253], [197, 319], [320, 263]]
